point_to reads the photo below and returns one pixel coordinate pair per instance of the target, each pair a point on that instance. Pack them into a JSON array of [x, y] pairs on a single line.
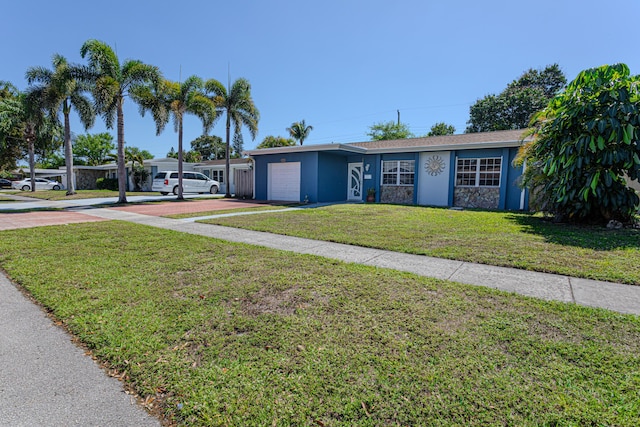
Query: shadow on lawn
[[598, 238]]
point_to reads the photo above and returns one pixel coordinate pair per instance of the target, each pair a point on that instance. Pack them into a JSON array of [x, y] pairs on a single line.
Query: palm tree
[[62, 90], [23, 117], [111, 84], [176, 99], [240, 110], [299, 131]]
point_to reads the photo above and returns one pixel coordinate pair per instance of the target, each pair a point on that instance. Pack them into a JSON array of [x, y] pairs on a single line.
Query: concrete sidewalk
[[594, 293], [46, 380]]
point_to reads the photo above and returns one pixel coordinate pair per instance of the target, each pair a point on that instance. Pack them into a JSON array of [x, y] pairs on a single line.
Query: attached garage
[[284, 181]]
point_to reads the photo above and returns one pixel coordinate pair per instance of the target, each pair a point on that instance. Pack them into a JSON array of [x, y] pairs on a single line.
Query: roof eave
[[447, 147], [306, 148]]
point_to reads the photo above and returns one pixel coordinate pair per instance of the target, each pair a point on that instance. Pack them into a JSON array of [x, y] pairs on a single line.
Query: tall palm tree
[[111, 84], [238, 105], [176, 99], [62, 90], [299, 131], [23, 117]]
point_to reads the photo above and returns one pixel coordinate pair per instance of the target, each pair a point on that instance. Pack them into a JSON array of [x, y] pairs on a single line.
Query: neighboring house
[[86, 176], [216, 169], [473, 170]]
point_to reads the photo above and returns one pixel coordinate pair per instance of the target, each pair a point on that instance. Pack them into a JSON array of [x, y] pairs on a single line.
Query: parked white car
[[192, 182], [41, 184]]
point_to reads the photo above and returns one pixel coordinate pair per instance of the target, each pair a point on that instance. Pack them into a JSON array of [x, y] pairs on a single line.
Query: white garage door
[[284, 181]]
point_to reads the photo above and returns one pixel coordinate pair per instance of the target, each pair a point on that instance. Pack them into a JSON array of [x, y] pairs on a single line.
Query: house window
[[217, 175], [398, 172], [478, 172]]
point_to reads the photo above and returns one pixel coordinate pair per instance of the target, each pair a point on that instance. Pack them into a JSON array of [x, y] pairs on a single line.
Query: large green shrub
[[585, 141], [107, 184]]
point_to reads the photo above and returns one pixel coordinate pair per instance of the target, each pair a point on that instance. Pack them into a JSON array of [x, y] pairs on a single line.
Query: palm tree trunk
[[180, 195], [68, 153], [32, 156], [227, 157], [122, 171]]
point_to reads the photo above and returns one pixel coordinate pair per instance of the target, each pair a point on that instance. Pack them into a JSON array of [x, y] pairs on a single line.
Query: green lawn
[[216, 333], [509, 239]]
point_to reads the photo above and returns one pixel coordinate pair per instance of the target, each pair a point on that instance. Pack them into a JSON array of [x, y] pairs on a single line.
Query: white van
[[192, 182]]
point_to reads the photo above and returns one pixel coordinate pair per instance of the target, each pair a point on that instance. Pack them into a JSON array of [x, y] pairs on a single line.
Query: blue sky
[[340, 65]]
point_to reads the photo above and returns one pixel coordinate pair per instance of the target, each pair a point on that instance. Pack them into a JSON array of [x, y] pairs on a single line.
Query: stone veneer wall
[[402, 195], [86, 179], [476, 197]]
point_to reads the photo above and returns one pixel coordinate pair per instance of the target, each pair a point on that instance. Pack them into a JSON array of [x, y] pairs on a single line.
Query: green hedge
[[107, 184]]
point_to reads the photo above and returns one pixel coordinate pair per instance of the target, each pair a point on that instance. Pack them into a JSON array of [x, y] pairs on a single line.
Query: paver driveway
[[10, 221], [36, 218], [188, 206]]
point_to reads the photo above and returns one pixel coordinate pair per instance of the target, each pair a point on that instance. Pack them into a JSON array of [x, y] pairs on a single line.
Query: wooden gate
[[244, 183]]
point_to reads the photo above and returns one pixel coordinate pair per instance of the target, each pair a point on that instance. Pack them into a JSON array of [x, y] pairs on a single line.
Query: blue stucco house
[[473, 170]]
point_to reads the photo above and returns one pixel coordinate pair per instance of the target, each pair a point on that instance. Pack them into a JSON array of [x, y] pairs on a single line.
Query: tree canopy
[[514, 106], [585, 141], [441, 128], [385, 131], [276, 141], [299, 131], [210, 147], [93, 149]]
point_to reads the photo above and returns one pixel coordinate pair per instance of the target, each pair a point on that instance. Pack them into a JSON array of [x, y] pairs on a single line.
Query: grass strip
[[217, 333], [57, 195], [509, 239]]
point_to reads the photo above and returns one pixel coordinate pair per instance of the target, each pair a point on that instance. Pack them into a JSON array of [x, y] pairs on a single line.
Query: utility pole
[[398, 117]]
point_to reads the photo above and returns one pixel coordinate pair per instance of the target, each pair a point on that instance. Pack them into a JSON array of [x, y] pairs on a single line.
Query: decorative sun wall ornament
[[434, 165]]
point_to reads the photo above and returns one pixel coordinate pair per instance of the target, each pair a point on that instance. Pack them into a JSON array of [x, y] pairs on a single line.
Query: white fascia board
[[307, 148], [447, 147]]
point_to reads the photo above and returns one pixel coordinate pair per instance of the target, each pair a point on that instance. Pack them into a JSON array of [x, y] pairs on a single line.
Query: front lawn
[[217, 333], [509, 239]]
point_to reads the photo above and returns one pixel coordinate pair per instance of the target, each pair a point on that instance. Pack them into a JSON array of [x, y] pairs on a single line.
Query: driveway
[[189, 206], [10, 220]]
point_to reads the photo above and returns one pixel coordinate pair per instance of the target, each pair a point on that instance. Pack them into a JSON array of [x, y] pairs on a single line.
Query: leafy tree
[[111, 82], [172, 154], [585, 141], [389, 130], [51, 159], [93, 150], [514, 107], [299, 131], [10, 149], [276, 141], [210, 147], [63, 91], [23, 119], [176, 99], [240, 110], [441, 128], [192, 156]]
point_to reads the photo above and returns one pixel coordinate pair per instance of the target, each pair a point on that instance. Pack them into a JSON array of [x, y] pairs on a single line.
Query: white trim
[[524, 190], [305, 148], [477, 172]]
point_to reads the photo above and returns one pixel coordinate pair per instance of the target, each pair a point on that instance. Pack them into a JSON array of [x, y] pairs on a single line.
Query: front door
[[354, 190]]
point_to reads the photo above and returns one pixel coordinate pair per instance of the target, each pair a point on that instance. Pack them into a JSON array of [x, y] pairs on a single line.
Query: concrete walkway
[[594, 293], [46, 380]]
